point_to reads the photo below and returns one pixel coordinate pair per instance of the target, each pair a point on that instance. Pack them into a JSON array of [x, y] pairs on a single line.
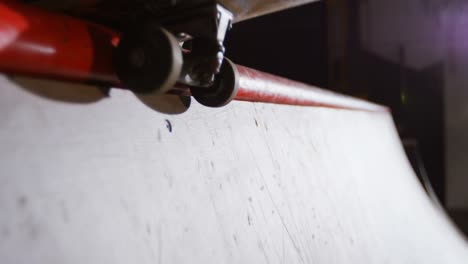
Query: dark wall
[[292, 43]]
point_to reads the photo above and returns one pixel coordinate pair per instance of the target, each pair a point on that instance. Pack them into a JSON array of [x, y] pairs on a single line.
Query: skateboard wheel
[[223, 91], [148, 59]]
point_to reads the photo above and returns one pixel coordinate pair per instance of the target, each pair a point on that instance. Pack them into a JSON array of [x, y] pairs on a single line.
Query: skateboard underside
[[153, 32], [146, 59]]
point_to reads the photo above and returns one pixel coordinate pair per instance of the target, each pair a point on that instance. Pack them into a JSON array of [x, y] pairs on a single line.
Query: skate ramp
[[95, 176]]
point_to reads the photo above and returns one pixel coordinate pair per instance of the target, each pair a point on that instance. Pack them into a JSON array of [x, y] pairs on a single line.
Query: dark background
[[292, 44]]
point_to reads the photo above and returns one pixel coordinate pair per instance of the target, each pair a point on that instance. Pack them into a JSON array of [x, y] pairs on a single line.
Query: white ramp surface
[[86, 178]]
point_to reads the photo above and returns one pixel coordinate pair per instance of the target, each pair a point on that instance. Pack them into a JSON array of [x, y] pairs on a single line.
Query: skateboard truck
[[184, 46]]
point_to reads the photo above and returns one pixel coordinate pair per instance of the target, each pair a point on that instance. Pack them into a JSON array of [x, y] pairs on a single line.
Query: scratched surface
[[86, 178]]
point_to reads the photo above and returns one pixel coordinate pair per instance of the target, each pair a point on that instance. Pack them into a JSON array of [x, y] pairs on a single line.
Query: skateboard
[[148, 47], [164, 42]]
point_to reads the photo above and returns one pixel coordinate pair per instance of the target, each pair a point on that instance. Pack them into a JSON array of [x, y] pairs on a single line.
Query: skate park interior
[[98, 174]]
